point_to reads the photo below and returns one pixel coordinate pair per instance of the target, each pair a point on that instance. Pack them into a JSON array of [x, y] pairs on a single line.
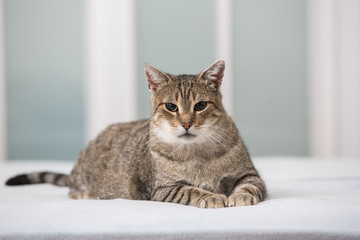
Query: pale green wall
[[45, 69], [269, 63], [175, 36], [270, 70], [44, 78]]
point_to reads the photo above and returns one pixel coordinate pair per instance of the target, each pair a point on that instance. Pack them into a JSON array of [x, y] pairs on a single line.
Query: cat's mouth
[[187, 135]]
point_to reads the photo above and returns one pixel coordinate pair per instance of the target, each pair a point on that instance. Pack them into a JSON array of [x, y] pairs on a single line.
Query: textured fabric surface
[[308, 199]]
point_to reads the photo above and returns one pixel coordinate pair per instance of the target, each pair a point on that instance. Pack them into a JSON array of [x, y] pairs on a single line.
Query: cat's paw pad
[[214, 201], [241, 199]]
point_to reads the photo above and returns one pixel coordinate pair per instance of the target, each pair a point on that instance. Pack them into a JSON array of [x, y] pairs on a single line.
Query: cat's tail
[[57, 179]]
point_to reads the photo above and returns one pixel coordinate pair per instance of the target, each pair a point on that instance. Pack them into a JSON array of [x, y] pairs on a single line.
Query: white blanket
[[308, 199]]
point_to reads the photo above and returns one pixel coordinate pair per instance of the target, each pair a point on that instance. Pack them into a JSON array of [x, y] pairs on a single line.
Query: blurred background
[[68, 68]]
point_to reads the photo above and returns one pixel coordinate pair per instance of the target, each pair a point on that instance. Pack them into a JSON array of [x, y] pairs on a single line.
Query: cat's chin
[[187, 136], [186, 139]]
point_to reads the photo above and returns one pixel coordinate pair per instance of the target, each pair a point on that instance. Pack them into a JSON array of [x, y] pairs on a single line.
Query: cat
[[189, 152]]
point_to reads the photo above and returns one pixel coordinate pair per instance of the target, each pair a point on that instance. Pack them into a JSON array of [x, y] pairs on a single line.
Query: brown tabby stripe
[[201, 196], [256, 190], [185, 195], [188, 197], [42, 177], [261, 191], [58, 179], [171, 194], [157, 107], [181, 93], [215, 106], [242, 179], [190, 87], [249, 190], [180, 196], [176, 190]]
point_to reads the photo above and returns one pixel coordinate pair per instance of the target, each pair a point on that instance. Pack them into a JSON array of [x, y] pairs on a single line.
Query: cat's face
[[186, 108]]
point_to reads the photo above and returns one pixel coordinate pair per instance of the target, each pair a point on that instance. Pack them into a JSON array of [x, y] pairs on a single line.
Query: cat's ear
[[214, 74], [155, 77]]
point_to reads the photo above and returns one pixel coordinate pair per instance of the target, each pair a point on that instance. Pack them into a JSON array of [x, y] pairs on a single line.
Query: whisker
[[214, 139]]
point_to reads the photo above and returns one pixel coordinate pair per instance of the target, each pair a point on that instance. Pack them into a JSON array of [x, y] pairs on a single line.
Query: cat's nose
[[186, 125]]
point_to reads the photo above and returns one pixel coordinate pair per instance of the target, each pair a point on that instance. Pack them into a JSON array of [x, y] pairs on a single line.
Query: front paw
[[214, 201], [241, 199]]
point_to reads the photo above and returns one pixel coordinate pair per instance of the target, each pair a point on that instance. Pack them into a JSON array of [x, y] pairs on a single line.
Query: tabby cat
[[189, 152]]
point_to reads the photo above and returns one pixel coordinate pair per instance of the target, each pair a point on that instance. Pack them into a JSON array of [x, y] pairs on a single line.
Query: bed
[[308, 199]]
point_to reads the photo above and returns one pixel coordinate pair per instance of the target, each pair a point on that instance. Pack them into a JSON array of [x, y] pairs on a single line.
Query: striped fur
[[39, 177], [185, 154]]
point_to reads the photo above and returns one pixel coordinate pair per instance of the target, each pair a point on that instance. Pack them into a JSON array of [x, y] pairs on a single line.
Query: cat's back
[[118, 134], [116, 138]]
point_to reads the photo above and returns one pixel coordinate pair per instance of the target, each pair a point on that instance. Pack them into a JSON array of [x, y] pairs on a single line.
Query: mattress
[[308, 199]]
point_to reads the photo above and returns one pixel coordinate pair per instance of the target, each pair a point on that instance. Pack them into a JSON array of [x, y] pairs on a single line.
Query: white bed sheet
[[308, 199]]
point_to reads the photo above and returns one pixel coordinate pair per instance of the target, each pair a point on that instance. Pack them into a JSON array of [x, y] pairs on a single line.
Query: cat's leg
[[249, 191], [188, 195]]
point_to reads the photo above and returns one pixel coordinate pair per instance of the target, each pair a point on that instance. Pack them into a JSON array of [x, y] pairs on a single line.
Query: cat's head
[[186, 109]]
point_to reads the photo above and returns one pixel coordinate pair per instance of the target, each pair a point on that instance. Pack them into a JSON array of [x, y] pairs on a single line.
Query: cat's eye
[[171, 107], [200, 106]]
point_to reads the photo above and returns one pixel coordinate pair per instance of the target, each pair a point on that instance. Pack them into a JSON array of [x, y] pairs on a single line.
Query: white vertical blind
[[2, 87], [334, 78], [322, 78], [224, 49], [110, 63], [349, 78]]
